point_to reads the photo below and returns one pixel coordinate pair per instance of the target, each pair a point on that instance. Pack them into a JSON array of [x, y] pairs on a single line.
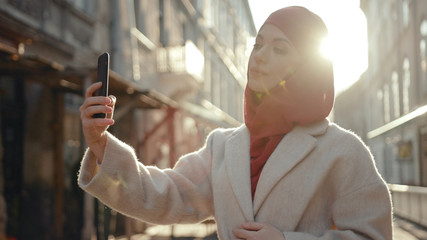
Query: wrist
[[98, 148]]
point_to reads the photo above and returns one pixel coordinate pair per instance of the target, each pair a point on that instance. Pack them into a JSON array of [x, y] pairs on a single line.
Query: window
[[383, 43], [395, 22], [386, 103], [162, 23], [140, 13], [405, 13], [209, 14], [377, 110], [423, 55], [406, 86], [395, 89], [423, 28]]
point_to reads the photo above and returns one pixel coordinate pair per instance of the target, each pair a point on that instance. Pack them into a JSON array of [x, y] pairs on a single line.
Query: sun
[[346, 44], [326, 49]]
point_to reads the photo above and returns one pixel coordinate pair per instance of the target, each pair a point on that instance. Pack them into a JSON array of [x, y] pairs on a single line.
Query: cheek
[[285, 69], [251, 59], [279, 69]]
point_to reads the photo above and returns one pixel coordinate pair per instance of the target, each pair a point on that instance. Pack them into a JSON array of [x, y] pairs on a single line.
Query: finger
[[92, 88], [112, 105], [253, 226], [113, 100], [95, 101], [241, 233], [90, 111], [110, 115], [97, 122]]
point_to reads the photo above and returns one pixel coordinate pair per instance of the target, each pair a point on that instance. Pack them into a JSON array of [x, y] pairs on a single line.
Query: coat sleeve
[[179, 195], [361, 205]]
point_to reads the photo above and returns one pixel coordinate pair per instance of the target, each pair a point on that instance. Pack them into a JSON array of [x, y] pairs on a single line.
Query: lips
[[257, 71]]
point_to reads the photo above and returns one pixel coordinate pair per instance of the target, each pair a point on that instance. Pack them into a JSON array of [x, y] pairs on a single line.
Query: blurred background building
[[387, 107], [177, 69]]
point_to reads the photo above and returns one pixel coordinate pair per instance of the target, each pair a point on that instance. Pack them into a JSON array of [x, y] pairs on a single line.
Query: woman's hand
[[94, 129], [258, 231]]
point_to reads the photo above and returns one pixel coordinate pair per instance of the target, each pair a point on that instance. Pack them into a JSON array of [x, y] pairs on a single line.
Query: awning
[[55, 75]]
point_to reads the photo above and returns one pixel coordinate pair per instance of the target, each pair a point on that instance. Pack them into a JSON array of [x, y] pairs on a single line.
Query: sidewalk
[[205, 231], [403, 230]]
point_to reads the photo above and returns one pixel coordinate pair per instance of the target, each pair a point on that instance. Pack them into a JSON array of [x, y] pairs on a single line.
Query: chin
[[258, 86]]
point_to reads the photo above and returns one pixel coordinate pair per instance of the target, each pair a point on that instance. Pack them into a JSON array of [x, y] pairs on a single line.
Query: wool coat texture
[[320, 182]]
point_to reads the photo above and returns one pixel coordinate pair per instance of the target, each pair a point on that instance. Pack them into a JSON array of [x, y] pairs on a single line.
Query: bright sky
[[347, 33]]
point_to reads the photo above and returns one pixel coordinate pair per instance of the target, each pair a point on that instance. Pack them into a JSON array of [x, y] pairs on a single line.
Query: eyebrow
[[279, 39]]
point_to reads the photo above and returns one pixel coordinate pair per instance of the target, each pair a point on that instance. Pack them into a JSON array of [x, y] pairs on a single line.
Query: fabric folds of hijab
[[306, 97]]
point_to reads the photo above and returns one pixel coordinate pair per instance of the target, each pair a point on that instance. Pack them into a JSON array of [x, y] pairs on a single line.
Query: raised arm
[[94, 129], [178, 195]]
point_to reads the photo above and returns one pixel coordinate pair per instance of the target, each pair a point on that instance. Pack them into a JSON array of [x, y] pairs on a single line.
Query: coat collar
[[287, 154]]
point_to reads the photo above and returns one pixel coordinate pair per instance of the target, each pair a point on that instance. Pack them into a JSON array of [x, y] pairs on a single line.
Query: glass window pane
[[395, 89], [406, 85], [423, 28], [405, 13]]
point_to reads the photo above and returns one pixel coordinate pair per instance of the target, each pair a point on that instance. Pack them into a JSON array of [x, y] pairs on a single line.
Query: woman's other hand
[[258, 231], [94, 129]]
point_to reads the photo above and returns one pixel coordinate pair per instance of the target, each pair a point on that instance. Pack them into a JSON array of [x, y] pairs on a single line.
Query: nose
[[261, 55]]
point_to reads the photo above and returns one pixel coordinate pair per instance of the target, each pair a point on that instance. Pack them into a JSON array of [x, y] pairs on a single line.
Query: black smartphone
[[103, 76]]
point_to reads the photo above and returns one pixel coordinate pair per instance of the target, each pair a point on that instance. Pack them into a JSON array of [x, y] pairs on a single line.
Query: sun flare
[[346, 44], [326, 49]]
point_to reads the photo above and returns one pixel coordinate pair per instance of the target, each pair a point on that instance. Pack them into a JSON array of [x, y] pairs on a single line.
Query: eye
[[280, 50], [257, 46]]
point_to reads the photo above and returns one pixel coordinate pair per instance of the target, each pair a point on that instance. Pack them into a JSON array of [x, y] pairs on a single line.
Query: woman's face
[[273, 59]]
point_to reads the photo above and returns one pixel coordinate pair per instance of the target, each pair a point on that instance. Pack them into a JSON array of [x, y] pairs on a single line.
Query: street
[[403, 230]]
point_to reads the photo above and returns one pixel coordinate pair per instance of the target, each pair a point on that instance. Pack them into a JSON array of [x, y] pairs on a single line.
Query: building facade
[[395, 89], [177, 69]]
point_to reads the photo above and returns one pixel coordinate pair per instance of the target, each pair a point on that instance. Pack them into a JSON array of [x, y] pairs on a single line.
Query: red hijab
[[306, 97]]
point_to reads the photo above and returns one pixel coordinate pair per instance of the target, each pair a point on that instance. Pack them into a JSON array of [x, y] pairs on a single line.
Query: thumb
[[253, 226], [112, 105], [113, 100]]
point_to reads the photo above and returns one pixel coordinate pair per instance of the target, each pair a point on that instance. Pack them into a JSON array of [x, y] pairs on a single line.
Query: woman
[[287, 173]]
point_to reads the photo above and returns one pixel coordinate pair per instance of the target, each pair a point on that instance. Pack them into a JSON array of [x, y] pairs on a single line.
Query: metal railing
[[410, 202]]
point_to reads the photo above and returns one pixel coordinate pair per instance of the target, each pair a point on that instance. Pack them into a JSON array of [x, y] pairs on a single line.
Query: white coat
[[319, 177]]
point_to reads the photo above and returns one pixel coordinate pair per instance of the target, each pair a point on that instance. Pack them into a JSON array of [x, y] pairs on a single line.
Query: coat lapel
[[237, 162], [290, 151]]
